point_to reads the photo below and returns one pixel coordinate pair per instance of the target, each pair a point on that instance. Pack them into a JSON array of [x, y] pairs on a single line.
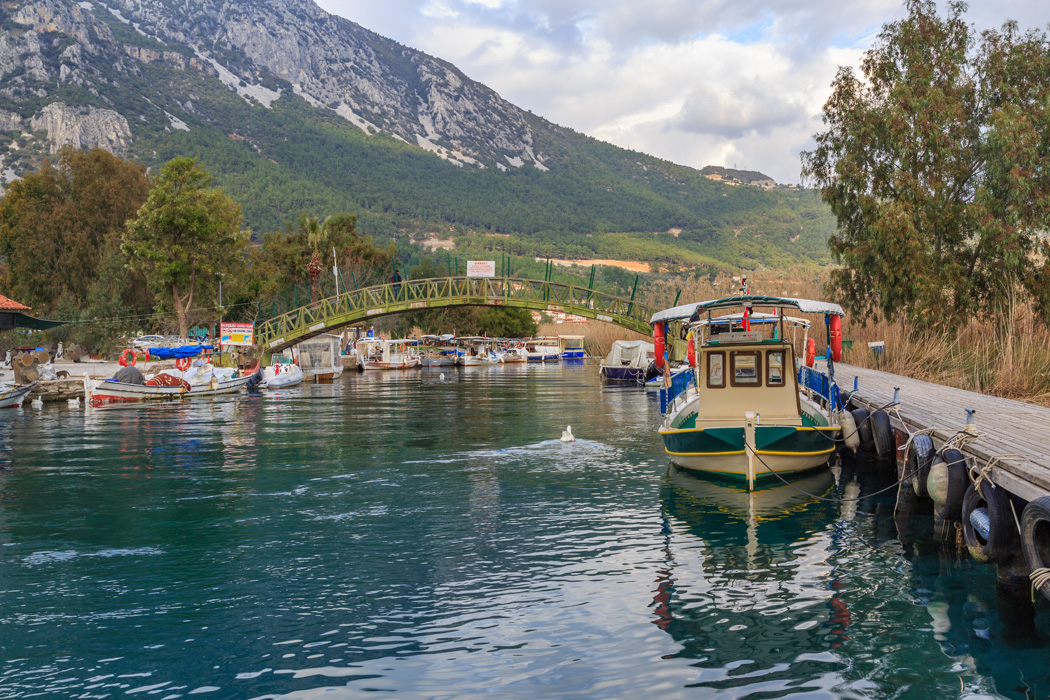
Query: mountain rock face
[[83, 128], [260, 48]]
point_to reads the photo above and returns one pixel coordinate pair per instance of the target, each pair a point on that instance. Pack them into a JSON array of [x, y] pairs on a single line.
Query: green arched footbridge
[[361, 305]]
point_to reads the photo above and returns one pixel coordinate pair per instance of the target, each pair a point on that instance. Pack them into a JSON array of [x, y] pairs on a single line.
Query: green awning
[[20, 320]]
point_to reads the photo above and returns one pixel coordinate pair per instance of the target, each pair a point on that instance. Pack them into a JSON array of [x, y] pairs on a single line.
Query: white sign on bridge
[[481, 268]]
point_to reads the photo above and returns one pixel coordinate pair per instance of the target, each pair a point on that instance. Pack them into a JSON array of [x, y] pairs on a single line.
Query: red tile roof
[[10, 305]]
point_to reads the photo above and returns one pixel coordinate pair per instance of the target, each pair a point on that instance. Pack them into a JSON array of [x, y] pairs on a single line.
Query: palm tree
[[316, 234]]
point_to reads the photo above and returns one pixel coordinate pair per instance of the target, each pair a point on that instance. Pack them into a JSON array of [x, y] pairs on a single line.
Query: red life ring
[[182, 364], [124, 358], [811, 352], [836, 338]]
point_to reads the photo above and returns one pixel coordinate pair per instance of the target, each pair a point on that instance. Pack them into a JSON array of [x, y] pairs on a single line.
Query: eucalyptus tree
[[936, 163]]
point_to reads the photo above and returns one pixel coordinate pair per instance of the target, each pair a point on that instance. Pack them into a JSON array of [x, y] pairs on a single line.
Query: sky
[[737, 83]]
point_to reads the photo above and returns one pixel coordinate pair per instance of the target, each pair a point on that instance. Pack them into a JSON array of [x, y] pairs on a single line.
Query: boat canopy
[[756, 318], [179, 352], [633, 353], [806, 306]]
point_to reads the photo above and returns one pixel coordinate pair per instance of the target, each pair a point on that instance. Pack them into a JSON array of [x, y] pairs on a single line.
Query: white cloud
[[724, 82]]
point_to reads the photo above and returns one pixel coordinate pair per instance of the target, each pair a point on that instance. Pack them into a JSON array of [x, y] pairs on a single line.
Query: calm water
[[402, 536]]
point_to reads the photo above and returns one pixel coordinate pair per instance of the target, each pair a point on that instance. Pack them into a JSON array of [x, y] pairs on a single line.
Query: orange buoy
[[692, 351], [811, 352], [836, 338]]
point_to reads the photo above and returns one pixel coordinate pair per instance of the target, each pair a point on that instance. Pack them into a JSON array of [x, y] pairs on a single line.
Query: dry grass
[[1007, 356], [598, 337]]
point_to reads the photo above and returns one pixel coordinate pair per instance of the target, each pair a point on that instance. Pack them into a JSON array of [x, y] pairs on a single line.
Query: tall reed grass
[[1007, 356], [598, 336]]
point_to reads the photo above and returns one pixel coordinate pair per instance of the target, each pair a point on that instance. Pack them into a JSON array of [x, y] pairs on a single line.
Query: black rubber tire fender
[[958, 482], [882, 435], [1002, 532], [920, 457], [860, 417], [1035, 537], [844, 400]]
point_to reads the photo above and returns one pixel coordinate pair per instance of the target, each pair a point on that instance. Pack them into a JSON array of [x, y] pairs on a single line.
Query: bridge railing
[[411, 295]]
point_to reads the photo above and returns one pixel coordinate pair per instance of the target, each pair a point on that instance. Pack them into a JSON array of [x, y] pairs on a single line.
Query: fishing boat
[[627, 361], [199, 380], [319, 358], [513, 352], [479, 352], [570, 347], [743, 414], [13, 396], [438, 350], [380, 354]]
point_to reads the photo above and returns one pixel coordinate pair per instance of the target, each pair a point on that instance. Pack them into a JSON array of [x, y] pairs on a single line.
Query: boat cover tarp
[[179, 352], [806, 306], [635, 353], [129, 375]]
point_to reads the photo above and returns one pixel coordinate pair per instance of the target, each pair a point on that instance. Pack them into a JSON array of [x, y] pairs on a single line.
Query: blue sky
[[738, 83]]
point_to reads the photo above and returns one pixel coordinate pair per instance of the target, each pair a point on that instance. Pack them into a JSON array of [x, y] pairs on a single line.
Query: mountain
[[293, 109]]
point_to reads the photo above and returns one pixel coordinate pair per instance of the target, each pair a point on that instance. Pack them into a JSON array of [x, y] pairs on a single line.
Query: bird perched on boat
[[566, 435], [37, 402]]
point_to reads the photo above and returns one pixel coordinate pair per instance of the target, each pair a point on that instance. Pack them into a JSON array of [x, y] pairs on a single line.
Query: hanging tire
[[882, 435], [1002, 533], [860, 417], [844, 400], [1035, 537], [947, 483], [920, 459]]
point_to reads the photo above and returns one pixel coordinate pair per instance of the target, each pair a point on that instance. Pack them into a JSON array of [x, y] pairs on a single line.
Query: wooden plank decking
[[1005, 426]]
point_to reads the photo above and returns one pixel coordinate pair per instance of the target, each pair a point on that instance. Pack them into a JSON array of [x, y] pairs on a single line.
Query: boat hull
[[376, 365], [104, 392], [623, 374], [13, 398], [779, 449]]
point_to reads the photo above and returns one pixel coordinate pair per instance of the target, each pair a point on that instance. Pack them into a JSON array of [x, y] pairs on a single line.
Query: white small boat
[[570, 347], [479, 352], [514, 354], [13, 396], [541, 350], [438, 351], [657, 382], [282, 375]]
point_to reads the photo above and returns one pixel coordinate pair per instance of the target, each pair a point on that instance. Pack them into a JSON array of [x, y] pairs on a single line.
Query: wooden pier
[[1005, 426]]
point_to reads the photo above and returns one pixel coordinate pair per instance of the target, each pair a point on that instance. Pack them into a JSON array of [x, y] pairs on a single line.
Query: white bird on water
[[441, 376], [74, 402], [37, 402], [566, 435]]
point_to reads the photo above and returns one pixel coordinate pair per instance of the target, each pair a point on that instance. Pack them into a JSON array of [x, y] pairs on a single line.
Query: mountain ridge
[[294, 109]]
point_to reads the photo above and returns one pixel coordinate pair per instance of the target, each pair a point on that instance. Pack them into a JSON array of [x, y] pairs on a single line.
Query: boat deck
[[1006, 427]]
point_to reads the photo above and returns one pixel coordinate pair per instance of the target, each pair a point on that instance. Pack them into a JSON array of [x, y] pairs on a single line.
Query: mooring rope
[[1040, 577]]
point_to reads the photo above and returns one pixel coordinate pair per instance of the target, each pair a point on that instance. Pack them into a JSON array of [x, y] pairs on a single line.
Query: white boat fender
[[1034, 522], [848, 428], [920, 459], [992, 541], [947, 483], [567, 436]]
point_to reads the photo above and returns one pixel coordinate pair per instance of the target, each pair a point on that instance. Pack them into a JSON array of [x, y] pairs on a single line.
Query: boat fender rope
[[813, 495], [1040, 577]]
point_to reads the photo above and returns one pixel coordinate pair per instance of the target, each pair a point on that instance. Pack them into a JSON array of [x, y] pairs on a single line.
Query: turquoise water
[[403, 536]]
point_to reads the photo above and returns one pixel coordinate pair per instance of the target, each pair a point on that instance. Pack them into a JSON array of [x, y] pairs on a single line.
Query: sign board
[[237, 334], [481, 268]]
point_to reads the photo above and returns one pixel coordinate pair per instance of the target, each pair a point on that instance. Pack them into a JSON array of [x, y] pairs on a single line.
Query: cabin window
[[746, 369], [775, 368], [716, 377]]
